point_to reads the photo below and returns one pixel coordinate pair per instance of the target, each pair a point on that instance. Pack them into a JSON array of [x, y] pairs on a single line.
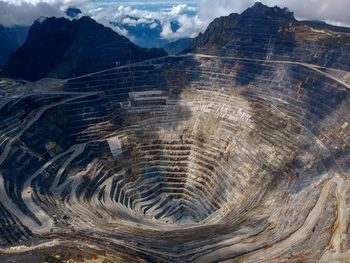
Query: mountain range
[[62, 48]]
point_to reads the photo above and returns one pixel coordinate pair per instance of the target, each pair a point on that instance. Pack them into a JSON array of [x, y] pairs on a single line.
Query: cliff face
[[262, 32], [60, 48]]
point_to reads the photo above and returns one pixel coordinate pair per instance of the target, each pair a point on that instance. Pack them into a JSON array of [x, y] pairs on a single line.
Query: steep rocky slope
[[262, 32], [60, 48]]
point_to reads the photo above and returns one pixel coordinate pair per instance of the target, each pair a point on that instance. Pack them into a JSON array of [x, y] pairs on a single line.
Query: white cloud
[[120, 31], [26, 13], [178, 9], [116, 13], [334, 11], [62, 4], [210, 9], [153, 25], [166, 32], [134, 22], [129, 21], [144, 21], [190, 25]]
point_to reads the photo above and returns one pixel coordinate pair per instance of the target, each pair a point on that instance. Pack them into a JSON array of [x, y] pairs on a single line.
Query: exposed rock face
[[11, 39], [261, 32], [191, 158], [60, 48]]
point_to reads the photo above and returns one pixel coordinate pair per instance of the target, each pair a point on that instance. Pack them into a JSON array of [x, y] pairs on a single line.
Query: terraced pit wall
[[191, 158]]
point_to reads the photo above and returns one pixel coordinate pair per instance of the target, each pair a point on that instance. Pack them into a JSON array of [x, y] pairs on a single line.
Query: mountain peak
[[261, 10]]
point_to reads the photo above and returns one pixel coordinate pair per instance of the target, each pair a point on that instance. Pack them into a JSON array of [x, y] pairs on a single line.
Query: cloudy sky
[[192, 16]]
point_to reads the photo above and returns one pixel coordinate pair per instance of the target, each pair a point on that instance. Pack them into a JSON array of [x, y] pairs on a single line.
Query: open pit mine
[[236, 150]]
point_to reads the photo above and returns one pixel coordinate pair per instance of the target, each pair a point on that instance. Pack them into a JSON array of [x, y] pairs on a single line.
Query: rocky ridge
[[262, 32]]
